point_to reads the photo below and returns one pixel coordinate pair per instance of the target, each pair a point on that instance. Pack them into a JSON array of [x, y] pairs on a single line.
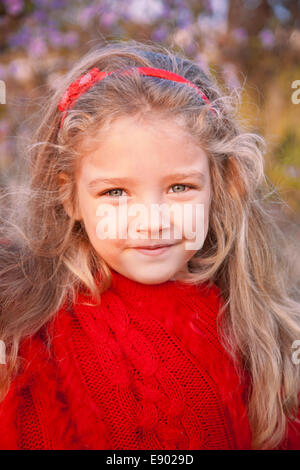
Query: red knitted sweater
[[144, 370]]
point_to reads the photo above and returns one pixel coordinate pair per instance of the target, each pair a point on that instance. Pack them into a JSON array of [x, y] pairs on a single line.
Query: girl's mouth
[[154, 251]]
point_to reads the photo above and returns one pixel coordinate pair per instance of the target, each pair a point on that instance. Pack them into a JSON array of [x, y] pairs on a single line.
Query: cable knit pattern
[[144, 370]]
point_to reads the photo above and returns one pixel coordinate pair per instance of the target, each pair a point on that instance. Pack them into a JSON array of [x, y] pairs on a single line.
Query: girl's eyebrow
[[175, 176]]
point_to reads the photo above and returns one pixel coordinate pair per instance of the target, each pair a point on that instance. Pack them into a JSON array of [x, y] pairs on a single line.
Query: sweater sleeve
[[292, 439], [18, 407], [34, 414], [8, 415]]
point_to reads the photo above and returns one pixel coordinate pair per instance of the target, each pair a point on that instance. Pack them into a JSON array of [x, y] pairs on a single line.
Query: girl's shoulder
[[29, 386]]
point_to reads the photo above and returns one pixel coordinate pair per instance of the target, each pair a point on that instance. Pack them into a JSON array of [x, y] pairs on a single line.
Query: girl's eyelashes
[[121, 189], [109, 191], [186, 185]]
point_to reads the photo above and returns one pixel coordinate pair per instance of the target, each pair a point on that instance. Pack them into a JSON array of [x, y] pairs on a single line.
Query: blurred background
[[251, 45]]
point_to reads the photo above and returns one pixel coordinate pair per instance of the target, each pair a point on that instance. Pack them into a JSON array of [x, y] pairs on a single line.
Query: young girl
[[111, 343]]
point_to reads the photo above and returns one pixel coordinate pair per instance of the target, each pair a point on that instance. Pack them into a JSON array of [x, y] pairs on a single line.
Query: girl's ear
[[65, 190]]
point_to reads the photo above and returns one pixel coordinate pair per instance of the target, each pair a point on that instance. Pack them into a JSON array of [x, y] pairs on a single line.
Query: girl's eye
[[185, 185], [110, 191]]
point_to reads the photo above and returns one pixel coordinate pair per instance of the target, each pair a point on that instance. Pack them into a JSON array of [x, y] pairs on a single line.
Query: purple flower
[[240, 34], [267, 38], [41, 3], [166, 11], [282, 13], [143, 11], [184, 17], [55, 38], [56, 4], [12, 68], [13, 7], [71, 39], [84, 16], [37, 47], [180, 3], [20, 38], [51, 23], [160, 33], [108, 18], [40, 16], [208, 6]]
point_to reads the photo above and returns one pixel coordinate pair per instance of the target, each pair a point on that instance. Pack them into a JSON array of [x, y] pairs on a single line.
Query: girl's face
[[135, 169]]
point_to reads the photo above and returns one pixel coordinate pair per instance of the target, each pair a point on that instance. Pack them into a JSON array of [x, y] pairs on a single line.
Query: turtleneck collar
[[135, 289]]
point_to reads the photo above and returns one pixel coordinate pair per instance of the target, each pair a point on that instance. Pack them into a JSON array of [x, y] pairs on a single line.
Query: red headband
[[87, 80]]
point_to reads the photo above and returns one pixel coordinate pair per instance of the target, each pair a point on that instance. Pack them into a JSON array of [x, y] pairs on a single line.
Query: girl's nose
[[151, 217]]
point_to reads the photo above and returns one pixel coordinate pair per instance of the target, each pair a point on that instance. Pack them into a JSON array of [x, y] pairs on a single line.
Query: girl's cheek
[[110, 224], [196, 225]]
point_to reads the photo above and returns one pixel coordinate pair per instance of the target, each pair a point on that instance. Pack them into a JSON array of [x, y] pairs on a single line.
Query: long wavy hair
[[49, 255]]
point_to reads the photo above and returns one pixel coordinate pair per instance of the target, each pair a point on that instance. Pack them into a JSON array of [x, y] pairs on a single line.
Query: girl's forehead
[[126, 127], [150, 163], [137, 151], [126, 140]]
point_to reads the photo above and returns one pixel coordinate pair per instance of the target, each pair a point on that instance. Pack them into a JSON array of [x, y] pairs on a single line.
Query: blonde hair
[[50, 255]]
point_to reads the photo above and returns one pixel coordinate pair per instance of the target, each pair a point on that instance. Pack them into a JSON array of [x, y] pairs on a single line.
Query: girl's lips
[[154, 251]]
